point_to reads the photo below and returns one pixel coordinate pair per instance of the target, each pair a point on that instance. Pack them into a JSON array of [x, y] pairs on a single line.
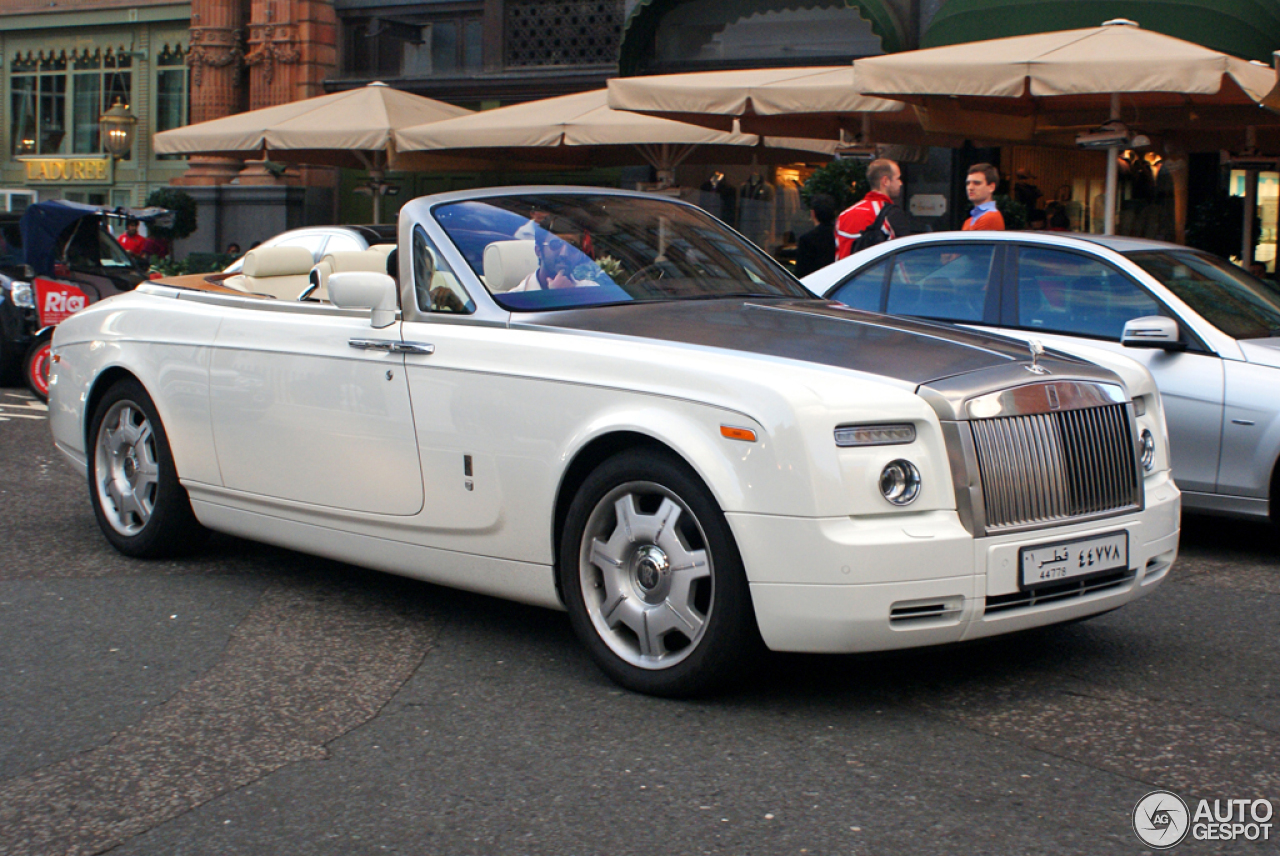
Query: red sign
[[57, 301]]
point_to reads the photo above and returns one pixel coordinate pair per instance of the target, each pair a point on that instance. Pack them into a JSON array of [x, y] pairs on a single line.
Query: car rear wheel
[[133, 484], [652, 578], [36, 366]]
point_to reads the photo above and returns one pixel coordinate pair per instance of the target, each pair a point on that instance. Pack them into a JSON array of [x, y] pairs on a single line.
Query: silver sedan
[[1208, 331]]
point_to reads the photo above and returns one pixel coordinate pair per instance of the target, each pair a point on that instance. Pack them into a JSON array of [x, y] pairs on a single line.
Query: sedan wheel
[[652, 578], [140, 505]]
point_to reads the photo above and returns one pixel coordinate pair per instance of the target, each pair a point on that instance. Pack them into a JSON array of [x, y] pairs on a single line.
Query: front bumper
[[843, 585]]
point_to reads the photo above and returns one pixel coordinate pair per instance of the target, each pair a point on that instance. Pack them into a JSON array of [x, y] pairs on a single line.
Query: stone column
[[292, 48], [216, 58]]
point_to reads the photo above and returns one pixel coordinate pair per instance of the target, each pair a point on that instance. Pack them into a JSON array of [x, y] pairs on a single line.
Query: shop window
[[413, 46], [565, 32], [56, 99]]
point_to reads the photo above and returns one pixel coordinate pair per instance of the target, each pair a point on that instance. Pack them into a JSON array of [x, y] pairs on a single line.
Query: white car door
[[307, 407], [1076, 295]]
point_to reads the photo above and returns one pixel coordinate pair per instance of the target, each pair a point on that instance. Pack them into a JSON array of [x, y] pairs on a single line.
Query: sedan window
[[863, 290], [1223, 294], [944, 281], [1061, 292]]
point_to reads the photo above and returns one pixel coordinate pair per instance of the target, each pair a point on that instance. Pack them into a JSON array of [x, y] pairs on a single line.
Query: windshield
[[1223, 294], [561, 250]]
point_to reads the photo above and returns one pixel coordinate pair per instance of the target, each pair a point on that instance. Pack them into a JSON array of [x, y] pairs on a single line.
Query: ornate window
[[562, 32], [413, 45], [171, 90]]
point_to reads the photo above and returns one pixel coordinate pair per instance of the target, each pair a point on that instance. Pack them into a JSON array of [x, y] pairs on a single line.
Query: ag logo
[[1161, 820]]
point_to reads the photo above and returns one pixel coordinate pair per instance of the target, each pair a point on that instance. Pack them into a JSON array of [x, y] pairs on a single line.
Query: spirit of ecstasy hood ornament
[[1037, 351]]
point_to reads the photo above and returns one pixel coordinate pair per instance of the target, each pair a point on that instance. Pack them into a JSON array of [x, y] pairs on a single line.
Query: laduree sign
[[90, 169]]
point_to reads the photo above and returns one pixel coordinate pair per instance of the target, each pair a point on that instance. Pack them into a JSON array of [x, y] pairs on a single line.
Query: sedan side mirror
[[365, 290], [1152, 331]]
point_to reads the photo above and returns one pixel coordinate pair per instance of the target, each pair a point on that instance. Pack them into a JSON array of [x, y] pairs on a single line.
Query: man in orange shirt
[[980, 185]]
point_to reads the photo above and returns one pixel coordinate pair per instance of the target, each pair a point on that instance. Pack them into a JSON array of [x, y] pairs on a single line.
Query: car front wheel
[[133, 484], [652, 578]]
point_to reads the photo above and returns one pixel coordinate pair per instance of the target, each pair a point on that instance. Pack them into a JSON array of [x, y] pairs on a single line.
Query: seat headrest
[[356, 260], [507, 263], [278, 261], [385, 249]]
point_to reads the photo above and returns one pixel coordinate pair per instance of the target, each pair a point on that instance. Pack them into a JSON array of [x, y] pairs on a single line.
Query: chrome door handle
[[373, 344], [413, 348]]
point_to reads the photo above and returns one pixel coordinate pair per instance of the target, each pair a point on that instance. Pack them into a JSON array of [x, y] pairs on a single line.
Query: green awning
[[1249, 29], [641, 27]]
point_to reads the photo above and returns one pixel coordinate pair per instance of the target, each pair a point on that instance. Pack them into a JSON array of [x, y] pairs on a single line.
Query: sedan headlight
[[1148, 450], [900, 482], [875, 435], [23, 295]]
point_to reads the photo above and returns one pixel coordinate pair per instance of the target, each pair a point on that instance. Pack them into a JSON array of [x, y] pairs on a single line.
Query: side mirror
[[1152, 331], [365, 290]]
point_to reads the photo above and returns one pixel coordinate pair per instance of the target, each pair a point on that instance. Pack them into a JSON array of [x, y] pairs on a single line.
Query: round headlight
[[900, 482], [23, 295], [1148, 450]]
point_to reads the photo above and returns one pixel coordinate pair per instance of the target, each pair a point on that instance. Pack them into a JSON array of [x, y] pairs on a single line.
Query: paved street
[[251, 700]]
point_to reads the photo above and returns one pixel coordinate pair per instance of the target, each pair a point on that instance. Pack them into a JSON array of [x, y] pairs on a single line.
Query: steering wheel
[[651, 272]]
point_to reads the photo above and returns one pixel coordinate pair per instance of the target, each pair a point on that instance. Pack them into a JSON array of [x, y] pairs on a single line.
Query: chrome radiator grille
[[1049, 467]]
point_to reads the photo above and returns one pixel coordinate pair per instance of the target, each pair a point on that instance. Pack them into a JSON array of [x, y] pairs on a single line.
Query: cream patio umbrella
[[581, 130], [354, 128], [818, 102], [1116, 78]]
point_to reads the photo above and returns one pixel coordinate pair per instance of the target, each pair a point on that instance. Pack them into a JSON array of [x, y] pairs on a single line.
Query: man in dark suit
[[816, 248]]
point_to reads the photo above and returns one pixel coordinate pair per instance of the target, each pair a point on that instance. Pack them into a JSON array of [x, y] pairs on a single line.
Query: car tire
[[652, 578], [35, 367], [140, 505]]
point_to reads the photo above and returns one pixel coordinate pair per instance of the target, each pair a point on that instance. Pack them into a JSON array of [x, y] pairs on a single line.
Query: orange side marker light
[[732, 433]]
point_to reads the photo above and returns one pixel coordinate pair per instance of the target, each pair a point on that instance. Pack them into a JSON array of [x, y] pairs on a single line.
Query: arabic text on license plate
[[1045, 564]]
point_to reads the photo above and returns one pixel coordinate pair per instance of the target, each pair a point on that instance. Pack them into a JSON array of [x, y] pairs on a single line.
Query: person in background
[[980, 185], [885, 178], [233, 249], [1258, 269], [134, 244], [1037, 221], [557, 244], [816, 248]]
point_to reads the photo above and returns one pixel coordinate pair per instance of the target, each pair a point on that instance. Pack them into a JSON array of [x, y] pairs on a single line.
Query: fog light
[[1148, 450], [900, 482]]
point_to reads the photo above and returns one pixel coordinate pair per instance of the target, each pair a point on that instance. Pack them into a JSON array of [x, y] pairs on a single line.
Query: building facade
[[63, 66]]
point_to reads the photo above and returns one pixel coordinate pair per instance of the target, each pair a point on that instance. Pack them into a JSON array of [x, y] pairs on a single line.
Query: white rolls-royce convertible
[[612, 404]]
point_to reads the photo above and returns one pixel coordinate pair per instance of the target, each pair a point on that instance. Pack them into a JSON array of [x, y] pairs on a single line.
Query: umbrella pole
[[1113, 156], [375, 182], [1250, 202]]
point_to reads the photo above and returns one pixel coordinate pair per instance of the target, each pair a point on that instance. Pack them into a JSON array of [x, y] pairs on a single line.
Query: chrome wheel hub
[[126, 468], [646, 575]]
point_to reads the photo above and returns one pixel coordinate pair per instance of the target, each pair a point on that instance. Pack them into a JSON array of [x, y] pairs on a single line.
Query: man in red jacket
[[885, 179]]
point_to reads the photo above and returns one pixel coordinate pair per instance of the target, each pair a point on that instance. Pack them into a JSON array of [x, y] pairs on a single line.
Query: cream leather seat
[[371, 260], [281, 272], [507, 263]]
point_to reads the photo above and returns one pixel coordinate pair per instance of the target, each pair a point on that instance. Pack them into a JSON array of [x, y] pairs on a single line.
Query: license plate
[[1047, 564]]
